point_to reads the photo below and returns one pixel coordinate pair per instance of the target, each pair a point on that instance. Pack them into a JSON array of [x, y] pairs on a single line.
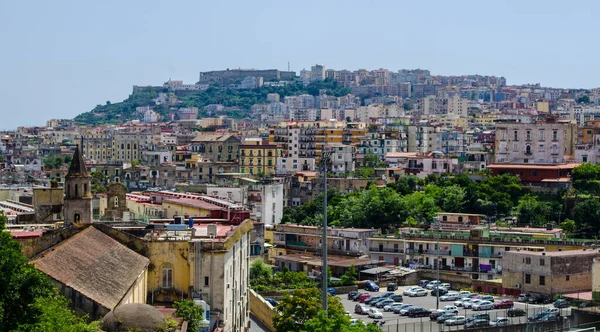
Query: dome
[[142, 317]]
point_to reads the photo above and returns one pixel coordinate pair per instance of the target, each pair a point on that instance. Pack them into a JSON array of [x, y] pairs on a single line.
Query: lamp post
[[325, 272]]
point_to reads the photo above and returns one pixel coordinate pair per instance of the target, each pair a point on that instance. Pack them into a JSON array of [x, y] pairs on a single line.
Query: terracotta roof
[[95, 265], [195, 203]]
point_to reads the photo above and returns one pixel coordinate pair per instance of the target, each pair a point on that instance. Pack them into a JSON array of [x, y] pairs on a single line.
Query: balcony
[[393, 250], [428, 252]]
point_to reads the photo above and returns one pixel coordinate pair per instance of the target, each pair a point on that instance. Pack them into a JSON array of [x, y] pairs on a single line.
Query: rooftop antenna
[[289, 66]]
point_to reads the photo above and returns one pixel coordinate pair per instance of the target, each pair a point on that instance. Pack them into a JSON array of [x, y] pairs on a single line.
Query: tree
[[407, 106], [586, 178], [568, 226], [99, 178], [301, 306], [260, 272], [55, 315], [97, 189], [191, 312], [349, 277], [587, 217], [533, 212], [585, 99], [135, 163], [326, 323], [372, 161]]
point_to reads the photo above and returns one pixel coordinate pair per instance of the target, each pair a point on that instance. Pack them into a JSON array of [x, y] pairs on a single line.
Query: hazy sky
[[61, 58]]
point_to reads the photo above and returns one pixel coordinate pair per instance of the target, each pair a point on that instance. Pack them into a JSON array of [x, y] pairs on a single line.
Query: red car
[[363, 297], [504, 304]]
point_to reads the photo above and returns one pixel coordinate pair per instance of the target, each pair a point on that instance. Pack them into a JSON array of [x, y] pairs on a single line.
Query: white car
[[449, 297], [460, 302], [374, 313], [500, 321], [554, 311], [410, 289], [464, 294], [451, 308], [458, 320], [404, 311], [418, 292], [483, 305], [469, 304], [445, 285], [390, 307], [432, 284]]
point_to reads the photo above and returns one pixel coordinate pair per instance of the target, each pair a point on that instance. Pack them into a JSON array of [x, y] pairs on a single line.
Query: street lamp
[[325, 272]]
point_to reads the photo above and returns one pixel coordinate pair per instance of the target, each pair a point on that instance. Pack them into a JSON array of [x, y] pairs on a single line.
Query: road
[[397, 323]]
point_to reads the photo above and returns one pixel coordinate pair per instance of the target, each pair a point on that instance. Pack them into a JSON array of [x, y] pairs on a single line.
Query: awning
[[268, 245], [376, 270]]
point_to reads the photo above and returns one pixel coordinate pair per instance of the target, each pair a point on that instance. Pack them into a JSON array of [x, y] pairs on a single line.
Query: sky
[[61, 58]]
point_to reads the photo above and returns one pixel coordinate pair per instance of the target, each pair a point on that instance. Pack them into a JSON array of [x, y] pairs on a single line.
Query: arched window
[[167, 276], [76, 217], [528, 149]]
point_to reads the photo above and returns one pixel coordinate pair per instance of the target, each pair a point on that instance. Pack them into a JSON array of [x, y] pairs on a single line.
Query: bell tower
[[78, 192]]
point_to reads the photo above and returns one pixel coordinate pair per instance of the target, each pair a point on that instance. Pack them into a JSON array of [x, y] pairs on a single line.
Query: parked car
[[392, 286], [486, 298], [388, 294], [460, 302], [390, 307], [432, 284], [481, 315], [483, 305], [445, 316], [477, 323], [548, 317], [561, 304], [271, 301], [374, 313], [453, 296], [535, 317], [351, 294], [584, 305], [363, 297], [500, 321], [418, 292], [371, 286], [451, 308], [418, 312], [423, 283], [553, 311], [410, 289], [397, 298], [464, 293], [538, 299], [357, 296], [404, 309], [354, 322], [516, 312], [503, 304], [471, 303], [442, 291], [435, 314], [398, 310], [383, 303], [361, 309], [445, 285], [458, 320], [373, 300], [331, 291], [523, 297]]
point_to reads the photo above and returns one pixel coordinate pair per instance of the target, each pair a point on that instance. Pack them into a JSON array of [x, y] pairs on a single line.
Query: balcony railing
[[394, 250]]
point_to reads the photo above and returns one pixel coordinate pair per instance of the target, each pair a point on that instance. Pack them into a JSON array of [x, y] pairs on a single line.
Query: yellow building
[[543, 106], [258, 158]]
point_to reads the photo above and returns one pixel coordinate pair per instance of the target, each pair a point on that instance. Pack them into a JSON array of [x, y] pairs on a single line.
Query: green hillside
[[114, 113]]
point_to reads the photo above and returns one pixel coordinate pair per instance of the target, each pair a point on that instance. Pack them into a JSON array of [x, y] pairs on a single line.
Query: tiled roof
[[95, 265]]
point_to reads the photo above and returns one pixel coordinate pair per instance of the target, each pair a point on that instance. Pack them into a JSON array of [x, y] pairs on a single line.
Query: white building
[[342, 157], [317, 73], [458, 106]]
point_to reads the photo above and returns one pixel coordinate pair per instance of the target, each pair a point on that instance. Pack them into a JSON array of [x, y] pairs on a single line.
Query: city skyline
[[70, 57]]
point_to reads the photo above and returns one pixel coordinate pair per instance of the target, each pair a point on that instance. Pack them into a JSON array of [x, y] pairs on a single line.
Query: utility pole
[[325, 270]]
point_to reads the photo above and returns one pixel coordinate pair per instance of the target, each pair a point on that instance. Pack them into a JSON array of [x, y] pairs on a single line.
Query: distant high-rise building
[[317, 73]]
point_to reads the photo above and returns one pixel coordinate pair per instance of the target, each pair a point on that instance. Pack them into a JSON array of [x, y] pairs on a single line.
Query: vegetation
[[301, 311], [191, 312], [56, 162], [262, 278], [28, 301], [241, 100], [99, 182]]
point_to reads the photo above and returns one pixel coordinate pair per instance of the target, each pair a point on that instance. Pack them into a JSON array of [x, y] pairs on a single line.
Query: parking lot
[[396, 322]]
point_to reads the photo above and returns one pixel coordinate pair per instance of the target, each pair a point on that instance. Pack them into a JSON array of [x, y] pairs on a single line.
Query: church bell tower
[[78, 194]]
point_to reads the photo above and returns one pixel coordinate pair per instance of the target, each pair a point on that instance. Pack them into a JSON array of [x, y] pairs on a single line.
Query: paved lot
[[395, 322]]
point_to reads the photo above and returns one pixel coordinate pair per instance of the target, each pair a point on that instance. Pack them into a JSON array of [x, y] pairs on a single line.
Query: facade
[[549, 273], [458, 106], [258, 158], [78, 194], [317, 73], [216, 147], [342, 158]]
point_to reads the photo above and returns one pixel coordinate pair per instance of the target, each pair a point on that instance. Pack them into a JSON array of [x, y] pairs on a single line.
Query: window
[[584, 158], [555, 135], [460, 219], [542, 280], [568, 278], [528, 278], [205, 281], [528, 149], [167, 276], [542, 262], [527, 260], [529, 135], [533, 172], [542, 149], [516, 135], [541, 135]]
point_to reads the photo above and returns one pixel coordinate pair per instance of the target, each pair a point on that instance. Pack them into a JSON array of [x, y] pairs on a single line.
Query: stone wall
[[278, 294], [262, 310], [49, 239]]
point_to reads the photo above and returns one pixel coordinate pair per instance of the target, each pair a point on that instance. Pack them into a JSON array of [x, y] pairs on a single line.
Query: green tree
[[349, 277], [372, 161], [568, 226], [587, 217], [586, 178], [135, 163], [407, 106], [533, 212], [191, 312], [585, 99], [301, 306], [326, 323], [366, 172], [260, 272], [54, 315]]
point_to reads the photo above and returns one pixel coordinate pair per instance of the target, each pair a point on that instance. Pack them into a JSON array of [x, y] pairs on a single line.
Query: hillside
[[114, 113]]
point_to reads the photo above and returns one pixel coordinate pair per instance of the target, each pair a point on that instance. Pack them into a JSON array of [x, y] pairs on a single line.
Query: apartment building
[[458, 106], [342, 158], [216, 147], [258, 158], [317, 73], [547, 141], [548, 273]]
